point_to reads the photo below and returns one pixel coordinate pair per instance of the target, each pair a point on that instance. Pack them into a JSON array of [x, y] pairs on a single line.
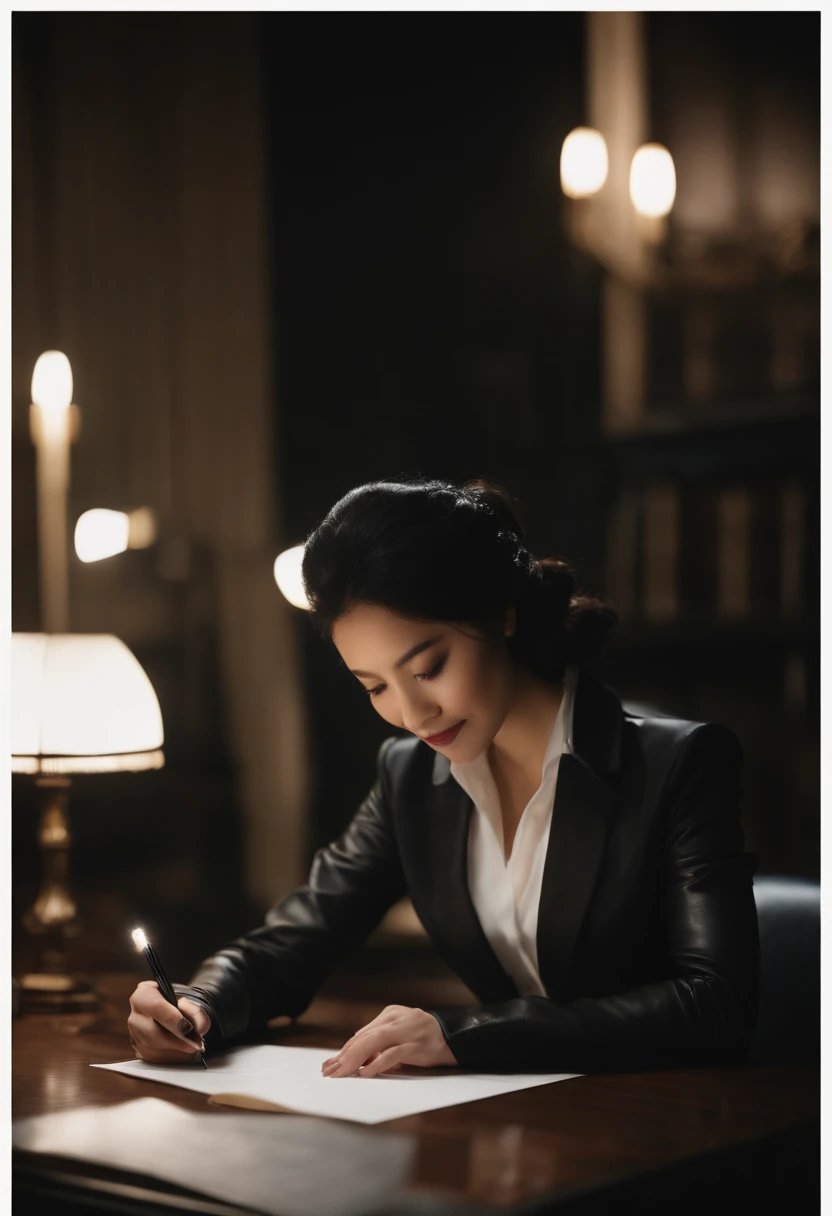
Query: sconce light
[[52, 390], [584, 163], [625, 242], [53, 424], [652, 181], [102, 533], [287, 575]]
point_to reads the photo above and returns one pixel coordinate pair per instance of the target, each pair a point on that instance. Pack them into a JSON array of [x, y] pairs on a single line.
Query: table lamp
[[81, 703]]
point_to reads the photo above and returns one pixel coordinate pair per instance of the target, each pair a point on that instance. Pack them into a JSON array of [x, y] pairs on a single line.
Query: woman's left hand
[[399, 1035]]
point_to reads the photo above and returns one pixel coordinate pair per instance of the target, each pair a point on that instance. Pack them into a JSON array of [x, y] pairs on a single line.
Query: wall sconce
[[287, 575], [54, 423], [653, 181], [621, 228], [584, 163], [102, 533], [584, 167]]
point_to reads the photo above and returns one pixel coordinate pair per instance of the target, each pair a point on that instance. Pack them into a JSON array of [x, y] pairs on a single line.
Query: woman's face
[[428, 676]]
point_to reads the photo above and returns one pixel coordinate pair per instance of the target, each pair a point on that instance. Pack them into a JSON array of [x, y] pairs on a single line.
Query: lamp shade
[[81, 703]]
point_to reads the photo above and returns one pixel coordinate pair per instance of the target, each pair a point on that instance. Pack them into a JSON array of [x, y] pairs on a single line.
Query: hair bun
[[555, 583], [554, 571], [588, 622], [581, 622]]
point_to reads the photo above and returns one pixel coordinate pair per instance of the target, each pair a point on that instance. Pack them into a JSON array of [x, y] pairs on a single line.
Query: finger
[[358, 1036], [148, 1001], [147, 1033], [197, 1016], [160, 1056], [384, 1061], [353, 1039], [351, 1060], [329, 1066], [144, 991], [389, 1013]]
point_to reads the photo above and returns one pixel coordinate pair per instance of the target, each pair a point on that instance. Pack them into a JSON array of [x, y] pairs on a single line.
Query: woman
[[581, 868]]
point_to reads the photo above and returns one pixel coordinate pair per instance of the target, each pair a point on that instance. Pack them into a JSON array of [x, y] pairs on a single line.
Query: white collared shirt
[[506, 894]]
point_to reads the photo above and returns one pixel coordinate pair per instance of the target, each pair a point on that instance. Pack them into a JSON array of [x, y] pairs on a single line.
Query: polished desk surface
[[555, 1140]]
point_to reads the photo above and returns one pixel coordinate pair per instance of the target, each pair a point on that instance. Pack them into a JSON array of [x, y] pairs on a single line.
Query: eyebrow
[[414, 650]]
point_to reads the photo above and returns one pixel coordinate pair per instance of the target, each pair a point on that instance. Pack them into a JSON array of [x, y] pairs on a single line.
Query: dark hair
[[436, 551]]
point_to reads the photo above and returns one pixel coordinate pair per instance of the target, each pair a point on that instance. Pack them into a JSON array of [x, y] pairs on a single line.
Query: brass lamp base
[[41, 992], [53, 988]]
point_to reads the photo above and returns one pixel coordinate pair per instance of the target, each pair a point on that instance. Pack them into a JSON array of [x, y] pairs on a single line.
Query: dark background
[[422, 308]]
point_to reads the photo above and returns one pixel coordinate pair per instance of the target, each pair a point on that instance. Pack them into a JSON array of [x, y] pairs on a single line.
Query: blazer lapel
[[455, 919], [585, 796]]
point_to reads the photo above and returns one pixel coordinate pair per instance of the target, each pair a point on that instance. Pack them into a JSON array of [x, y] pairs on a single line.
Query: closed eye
[[424, 675]]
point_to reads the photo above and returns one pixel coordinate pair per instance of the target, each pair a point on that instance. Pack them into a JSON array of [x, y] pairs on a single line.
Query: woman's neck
[[519, 746]]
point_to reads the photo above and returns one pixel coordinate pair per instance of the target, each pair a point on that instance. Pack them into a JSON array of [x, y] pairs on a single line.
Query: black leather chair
[[788, 1029]]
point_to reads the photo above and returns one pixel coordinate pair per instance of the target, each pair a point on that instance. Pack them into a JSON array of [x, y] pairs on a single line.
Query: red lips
[[444, 736]]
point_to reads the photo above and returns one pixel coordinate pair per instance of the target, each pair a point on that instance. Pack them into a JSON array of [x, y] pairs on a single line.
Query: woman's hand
[[399, 1035], [161, 1034]]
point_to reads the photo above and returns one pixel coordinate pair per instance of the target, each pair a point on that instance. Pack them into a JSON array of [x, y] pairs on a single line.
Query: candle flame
[[140, 939]]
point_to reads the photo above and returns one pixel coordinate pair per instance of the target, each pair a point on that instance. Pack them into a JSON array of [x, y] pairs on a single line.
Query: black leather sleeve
[[705, 1013], [277, 968]]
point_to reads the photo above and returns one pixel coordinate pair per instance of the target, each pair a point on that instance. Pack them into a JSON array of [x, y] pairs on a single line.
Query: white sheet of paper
[[271, 1165], [291, 1077]]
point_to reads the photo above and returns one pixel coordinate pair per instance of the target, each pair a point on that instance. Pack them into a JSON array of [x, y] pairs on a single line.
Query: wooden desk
[[688, 1137]]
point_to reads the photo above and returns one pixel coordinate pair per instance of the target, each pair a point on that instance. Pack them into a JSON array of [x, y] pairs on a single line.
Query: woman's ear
[[509, 621]]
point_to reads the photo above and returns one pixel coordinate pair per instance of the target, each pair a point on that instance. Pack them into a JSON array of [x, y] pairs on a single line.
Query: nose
[[420, 713]]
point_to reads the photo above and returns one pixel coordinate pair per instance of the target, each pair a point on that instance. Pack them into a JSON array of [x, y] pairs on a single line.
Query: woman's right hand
[[159, 1033]]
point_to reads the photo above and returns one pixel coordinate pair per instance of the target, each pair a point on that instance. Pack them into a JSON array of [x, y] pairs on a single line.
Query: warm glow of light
[[132, 762], [583, 163], [652, 181], [81, 703], [287, 575], [143, 528], [52, 382], [101, 533], [139, 939]]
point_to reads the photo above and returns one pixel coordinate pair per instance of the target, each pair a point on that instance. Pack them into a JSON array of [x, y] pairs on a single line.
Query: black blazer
[[647, 928]]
